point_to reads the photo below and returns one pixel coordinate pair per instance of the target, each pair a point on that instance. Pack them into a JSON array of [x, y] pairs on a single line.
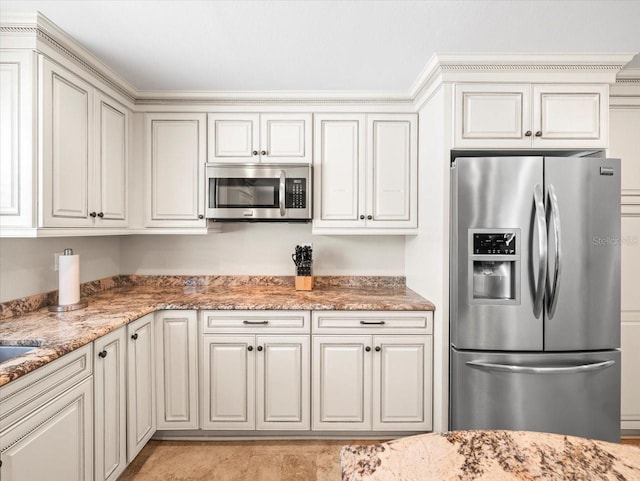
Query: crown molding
[[492, 67]]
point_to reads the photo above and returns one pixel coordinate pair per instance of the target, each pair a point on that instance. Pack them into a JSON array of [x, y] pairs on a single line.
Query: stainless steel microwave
[[259, 192]]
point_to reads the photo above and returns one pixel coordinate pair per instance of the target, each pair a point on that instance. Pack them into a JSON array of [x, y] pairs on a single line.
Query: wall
[[27, 264], [261, 249]]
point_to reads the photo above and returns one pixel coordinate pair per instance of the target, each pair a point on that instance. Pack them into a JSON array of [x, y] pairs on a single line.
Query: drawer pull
[[255, 322], [372, 323]]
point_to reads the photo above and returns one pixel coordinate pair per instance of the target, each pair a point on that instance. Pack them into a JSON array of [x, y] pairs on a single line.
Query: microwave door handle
[[282, 193], [542, 250], [554, 283]]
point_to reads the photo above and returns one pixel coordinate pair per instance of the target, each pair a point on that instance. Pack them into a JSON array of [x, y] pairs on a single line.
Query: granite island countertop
[[56, 334]]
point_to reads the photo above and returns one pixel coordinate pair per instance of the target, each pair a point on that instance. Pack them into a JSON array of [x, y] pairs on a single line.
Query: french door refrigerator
[[535, 295]]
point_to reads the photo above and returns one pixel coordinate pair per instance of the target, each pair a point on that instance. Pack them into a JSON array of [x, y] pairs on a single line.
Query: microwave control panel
[[296, 193], [503, 243]]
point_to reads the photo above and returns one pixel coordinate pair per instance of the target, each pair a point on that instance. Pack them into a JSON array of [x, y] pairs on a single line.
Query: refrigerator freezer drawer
[[568, 393]]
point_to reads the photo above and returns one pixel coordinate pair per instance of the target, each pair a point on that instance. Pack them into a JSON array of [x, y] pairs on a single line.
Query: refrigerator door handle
[[595, 366], [542, 250], [553, 286]]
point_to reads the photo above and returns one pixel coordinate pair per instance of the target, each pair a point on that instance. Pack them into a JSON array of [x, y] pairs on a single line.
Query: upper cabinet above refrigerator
[[520, 116]]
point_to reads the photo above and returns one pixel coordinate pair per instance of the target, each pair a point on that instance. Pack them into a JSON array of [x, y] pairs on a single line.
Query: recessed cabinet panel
[[285, 138], [625, 145], [9, 139], [68, 169], [112, 131], [233, 137], [342, 383]]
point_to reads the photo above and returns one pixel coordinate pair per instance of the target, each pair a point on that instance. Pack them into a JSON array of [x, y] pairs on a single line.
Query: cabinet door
[[177, 369], [282, 377], [228, 382], [110, 405], [111, 139], [572, 116], [339, 170], [141, 393], [625, 145], [67, 121], [285, 138], [17, 191], [233, 138], [341, 383], [392, 171], [492, 116], [402, 383], [175, 169], [55, 442]]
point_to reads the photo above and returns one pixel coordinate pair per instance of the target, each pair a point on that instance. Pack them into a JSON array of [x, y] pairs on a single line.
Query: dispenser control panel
[[497, 243]]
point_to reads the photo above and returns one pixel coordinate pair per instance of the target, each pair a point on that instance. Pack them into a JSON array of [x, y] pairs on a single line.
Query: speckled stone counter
[[490, 456], [128, 298]]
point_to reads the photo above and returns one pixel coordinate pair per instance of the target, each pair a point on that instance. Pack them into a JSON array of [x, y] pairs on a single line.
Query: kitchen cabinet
[[85, 144], [531, 115], [177, 369], [366, 376], [175, 158], [265, 138], [255, 370], [141, 392], [365, 170], [110, 405], [47, 416], [625, 144]]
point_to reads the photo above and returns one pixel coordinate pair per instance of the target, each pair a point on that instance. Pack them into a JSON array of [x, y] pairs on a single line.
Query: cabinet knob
[[361, 217], [528, 133], [102, 354], [92, 214], [369, 217], [200, 216], [259, 348], [368, 349], [378, 349], [101, 214], [134, 336], [250, 348], [255, 152], [539, 133], [263, 152]]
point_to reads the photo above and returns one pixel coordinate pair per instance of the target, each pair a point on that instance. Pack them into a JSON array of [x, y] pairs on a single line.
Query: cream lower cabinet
[[110, 405], [141, 392], [46, 422], [368, 374], [177, 369]]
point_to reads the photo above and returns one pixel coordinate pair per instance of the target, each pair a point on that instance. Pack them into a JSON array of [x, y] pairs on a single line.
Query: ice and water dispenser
[[494, 262]]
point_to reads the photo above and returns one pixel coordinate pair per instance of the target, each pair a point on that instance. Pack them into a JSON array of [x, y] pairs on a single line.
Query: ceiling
[[325, 45]]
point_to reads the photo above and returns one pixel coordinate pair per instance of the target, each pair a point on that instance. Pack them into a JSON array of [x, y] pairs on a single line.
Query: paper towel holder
[[69, 307]]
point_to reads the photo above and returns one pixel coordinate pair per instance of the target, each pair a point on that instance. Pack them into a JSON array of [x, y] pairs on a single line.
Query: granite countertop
[[127, 298], [490, 456]]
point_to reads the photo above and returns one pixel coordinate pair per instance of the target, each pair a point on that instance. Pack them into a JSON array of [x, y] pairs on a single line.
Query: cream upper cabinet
[[365, 171], [531, 115], [253, 138], [175, 158], [625, 144]]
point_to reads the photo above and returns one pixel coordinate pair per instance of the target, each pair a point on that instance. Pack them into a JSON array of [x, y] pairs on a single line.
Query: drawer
[[30, 391], [255, 321], [388, 322]]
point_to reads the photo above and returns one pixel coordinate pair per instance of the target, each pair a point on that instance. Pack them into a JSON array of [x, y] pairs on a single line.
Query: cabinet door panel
[[402, 383], [393, 170], [233, 137], [110, 399], [570, 115], [282, 382], [67, 148], [175, 152], [285, 138], [111, 161], [177, 376], [339, 170], [55, 442], [141, 392], [341, 383], [625, 145], [228, 377]]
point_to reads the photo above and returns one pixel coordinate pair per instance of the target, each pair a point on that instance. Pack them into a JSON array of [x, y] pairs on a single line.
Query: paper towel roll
[[68, 280]]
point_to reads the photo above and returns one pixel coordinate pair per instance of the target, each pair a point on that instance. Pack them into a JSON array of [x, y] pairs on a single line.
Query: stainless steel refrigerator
[[535, 295]]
